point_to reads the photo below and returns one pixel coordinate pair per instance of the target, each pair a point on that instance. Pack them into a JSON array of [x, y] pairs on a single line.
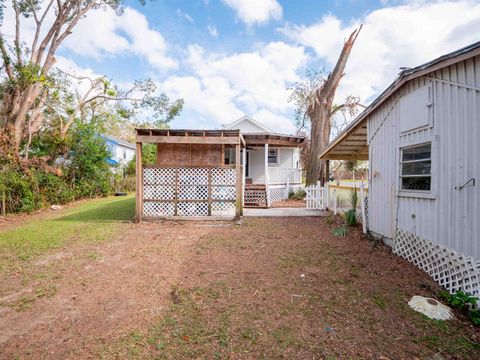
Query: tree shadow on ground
[[117, 210]]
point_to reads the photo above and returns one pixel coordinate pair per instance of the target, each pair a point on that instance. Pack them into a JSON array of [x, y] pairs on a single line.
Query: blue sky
[[227, 58]]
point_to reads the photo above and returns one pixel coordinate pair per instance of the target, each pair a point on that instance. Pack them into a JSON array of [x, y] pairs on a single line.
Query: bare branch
[[6, 58], [38, 29]]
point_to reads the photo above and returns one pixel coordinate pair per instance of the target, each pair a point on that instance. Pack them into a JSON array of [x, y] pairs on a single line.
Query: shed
[[190, 179], [421, 139]]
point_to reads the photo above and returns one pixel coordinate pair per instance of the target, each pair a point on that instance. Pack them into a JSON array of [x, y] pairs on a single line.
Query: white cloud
[[276, 122], [212, 97], [392, 37], [256, 12], [212, 30], [184, 15], [224, 87], [102, 33]]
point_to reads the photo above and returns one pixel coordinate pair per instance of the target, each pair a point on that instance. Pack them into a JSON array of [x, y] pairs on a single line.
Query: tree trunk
[[320, 114]]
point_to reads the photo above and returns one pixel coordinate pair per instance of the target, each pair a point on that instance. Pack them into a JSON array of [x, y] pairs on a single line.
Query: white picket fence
[[317, 197]]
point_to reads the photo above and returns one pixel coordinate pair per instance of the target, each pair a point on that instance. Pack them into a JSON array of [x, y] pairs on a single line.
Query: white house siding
[[118, 154], [452, 217], [287, 158]]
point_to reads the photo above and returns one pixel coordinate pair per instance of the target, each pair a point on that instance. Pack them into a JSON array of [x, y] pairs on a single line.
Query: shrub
[[350, 215], [465, 302], [297, 195]]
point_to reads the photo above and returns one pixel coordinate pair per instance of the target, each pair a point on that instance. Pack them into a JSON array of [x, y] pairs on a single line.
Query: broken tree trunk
[[320, 114]]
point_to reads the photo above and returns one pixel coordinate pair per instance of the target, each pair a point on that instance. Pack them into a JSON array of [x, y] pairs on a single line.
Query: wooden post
[[362, 207], [238, 168], [334, 201], [139, 184], [209, 190], [244, 164], [266, 176], [175, 204]]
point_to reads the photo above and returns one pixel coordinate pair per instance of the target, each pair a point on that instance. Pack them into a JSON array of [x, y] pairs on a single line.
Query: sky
[[229, 58]]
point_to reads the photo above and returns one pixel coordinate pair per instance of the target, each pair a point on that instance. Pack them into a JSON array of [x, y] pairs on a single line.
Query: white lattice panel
[[192, 176], [162, 176], [192, 209], [278, 194], [221, 176], [151, 208], [159, 192], [223, 209], [451, 270], [224, 193], [193, 192]]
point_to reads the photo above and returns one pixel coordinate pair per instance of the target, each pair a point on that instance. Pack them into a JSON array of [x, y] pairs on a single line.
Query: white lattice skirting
[[189, 192], [449, 269], [280, 193]]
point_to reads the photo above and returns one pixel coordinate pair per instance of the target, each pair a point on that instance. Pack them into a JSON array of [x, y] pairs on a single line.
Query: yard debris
[[175, 296], [295, 296], [329, 329], [430, 307], [56, 207]]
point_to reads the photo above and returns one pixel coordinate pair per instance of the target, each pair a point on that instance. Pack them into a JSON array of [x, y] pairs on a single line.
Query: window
[[229, 156], [273, 156], [415, 167], [124, 154]]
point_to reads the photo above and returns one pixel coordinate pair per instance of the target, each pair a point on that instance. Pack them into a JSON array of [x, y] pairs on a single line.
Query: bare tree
[[27, 68], [314, 100]]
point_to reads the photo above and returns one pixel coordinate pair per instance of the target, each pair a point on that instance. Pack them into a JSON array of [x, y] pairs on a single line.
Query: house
[[272, 166], [206, 174], [421, 139], [122, 151]]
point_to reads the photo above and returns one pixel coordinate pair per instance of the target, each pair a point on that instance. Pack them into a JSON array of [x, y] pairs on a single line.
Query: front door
[[247, 164]]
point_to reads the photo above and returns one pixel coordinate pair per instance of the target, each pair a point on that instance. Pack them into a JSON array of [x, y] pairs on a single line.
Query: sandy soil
[[269, 288]]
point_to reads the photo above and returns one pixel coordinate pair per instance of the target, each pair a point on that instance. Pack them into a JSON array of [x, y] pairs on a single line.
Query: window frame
[[403, 191], [277, 157]]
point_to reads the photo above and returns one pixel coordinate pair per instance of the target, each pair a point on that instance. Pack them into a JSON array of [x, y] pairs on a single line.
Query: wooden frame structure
[[190, 179]]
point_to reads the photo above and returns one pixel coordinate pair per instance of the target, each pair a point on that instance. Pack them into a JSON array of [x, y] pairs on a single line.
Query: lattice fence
[[277, 194], [189, 191], [451, 270], [281, 193]]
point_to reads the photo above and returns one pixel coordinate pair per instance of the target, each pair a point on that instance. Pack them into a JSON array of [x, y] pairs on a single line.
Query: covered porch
[[272, 167]]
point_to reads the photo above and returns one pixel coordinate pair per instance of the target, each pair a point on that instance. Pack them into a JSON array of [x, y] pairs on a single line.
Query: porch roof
[[180, 136], [352, 143], [278, 140]]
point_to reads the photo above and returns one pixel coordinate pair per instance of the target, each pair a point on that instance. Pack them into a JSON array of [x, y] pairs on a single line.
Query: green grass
[[94, 221]]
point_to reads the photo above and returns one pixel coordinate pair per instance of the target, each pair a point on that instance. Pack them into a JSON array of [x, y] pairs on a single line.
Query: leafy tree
[[30, 88]]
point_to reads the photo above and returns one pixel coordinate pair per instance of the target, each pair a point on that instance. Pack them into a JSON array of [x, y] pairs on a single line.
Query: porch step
[[255, 196], [255, 187]]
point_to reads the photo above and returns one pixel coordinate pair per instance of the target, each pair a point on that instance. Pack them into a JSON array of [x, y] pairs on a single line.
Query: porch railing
[[279, 175]]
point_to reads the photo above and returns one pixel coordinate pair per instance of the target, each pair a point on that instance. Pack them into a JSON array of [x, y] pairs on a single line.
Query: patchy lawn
[[95, 220], [270, 288]]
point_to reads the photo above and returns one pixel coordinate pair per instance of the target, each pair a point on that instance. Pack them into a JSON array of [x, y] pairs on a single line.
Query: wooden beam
[[139, 184], [238, 167], [188, 139], [274, 142], [345, 157]]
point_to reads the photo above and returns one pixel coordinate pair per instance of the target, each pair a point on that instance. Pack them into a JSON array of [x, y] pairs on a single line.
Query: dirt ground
[[269, 288], [290, 203]]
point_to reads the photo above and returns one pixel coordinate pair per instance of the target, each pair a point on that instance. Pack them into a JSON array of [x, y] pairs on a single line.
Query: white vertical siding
[[287, 158], [451, 217]]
